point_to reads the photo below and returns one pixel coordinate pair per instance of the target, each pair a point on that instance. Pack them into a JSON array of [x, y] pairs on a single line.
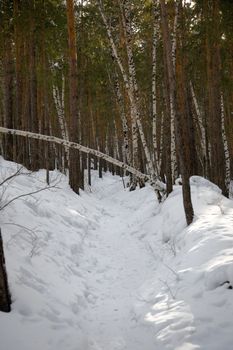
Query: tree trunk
[[130, 83], [157, 159], [5, 298], [213, 61], [180, 133], [97, 154], [74, 171], [33, 118], [8, 96]]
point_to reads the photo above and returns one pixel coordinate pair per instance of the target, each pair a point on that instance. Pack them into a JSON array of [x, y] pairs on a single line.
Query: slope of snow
[[114, 270]]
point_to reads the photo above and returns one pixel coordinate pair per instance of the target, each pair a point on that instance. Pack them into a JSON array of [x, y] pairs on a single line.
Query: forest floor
[[115, 270]]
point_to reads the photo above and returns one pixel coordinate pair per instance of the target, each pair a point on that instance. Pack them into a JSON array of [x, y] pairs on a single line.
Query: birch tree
[[154, 83], [120, 103], [130, 81]]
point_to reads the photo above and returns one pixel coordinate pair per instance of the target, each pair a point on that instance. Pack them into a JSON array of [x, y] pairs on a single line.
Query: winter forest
[[116, 174]]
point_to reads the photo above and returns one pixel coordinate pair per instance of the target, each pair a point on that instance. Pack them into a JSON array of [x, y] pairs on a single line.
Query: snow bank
[[43, 235], [192, 300], [113, 269]]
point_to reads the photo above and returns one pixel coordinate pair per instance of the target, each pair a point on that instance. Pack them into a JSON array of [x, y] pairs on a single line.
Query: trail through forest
[[118, 265], [112, 269]]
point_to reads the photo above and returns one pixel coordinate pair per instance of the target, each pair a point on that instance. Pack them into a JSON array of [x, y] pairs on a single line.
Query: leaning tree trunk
[[130, 82], [123, 117], [126, 21], [201, 131], [129, 87], [157, 185]]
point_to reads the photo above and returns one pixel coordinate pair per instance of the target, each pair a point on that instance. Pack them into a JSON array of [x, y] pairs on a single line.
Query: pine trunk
[[74, 171], [179, 113]]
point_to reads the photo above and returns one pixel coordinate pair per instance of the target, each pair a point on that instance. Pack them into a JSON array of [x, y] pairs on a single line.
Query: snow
[[115, 270]]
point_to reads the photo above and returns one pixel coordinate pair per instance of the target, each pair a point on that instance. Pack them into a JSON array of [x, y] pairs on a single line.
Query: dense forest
[[149, 83], [138, 89]]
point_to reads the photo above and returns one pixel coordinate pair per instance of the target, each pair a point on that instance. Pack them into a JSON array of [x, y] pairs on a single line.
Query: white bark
[[173, 141], [116, 152], [125, 9], [225, 144], [174, 38], [157, 184], [120, 104], [173, 53], [157, 158], [200, 125], [60, 107], [112, 44], [59, 103], [107, 141], [128, 85], [231, 189]]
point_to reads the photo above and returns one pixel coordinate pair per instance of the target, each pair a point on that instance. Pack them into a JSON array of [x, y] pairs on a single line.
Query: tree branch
[[26, 194]]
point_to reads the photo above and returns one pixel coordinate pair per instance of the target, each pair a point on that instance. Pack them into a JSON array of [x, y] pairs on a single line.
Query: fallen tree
[[155, 182]]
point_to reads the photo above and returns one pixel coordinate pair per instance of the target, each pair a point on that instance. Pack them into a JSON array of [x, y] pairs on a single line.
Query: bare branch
[[27, 194], [18, 172]]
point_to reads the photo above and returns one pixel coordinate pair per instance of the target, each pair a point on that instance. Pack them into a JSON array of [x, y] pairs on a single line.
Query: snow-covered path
[[118, 265], [113, 270]]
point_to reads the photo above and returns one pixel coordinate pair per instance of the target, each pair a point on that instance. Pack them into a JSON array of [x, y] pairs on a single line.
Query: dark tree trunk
[[100, 169], [74, 171], [5, 298], [180, 115], [89, 169], [8, 96], [33, 119], [213, 61]]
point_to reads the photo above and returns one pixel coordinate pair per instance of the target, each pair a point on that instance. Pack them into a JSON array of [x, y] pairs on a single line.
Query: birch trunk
[[225, 144], [120, 104], [173, 142], [60, 108], [200, 130], [59, 104], [125, 9], [159, 185], [130, 85], [157, 159]]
